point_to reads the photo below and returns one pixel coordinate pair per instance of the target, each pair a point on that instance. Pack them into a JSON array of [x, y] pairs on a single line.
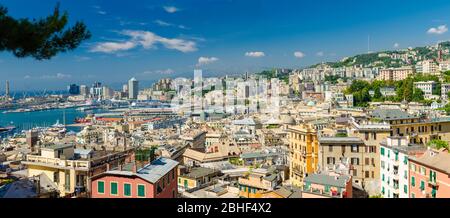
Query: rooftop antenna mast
[[368, 44]]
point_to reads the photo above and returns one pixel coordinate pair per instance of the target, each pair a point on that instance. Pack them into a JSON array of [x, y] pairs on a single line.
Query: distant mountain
[[396, 58]]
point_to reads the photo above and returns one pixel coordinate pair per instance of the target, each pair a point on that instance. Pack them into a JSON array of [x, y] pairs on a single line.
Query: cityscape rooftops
[[391, 114], [151, 172], [435, 159], [323, 179], [337, 140], [200, 172]]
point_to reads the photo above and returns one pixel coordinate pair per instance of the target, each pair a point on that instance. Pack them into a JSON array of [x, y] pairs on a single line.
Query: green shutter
[[382, 151], [141, 190], [114, 188], [127, 189], [413, 181], [422, 185], [101, 187], [405, 189]]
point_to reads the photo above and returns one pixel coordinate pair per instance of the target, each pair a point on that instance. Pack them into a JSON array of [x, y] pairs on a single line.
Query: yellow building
[[304, 156], [256, 183], [69, 169], [54, 161], [196, 178]]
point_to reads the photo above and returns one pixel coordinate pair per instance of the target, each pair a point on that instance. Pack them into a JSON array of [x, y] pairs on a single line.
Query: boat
[[7, 131]]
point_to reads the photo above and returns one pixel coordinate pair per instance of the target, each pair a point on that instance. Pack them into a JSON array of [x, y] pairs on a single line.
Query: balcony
[[56, 162], [298, 171]]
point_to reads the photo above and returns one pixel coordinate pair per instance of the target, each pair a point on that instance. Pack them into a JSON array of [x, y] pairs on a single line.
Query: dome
[[286, 119]]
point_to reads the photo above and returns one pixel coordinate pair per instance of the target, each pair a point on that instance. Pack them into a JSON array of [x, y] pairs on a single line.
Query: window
[[405, 160], [127, 189], [330, 148], [367, 174], [355, 148], [355, 161], [113, 188], [382, 164], [423, 171], [330, 160], [367, 161], [382, 177], [141, 190], [101, 187], [382, 151], [413, 181], [374, 136], [343, 148], [422, 185], [405, 189], [413, 195]]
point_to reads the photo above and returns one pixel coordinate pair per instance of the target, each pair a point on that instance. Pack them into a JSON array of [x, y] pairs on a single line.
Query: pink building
[[395, 74], [155, 180], [429, 175]]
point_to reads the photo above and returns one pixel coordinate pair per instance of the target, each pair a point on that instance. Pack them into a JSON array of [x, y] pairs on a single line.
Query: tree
[[377, 94], [438, 144], [42, 38], [417, 95]]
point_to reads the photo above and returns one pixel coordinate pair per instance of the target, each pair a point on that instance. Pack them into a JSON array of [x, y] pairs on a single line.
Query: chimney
[[108, 167]]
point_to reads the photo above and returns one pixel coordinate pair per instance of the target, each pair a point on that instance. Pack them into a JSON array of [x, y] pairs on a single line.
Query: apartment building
[[427, 67], [327, 186], [257, 182], [341, 149], [157, 179], [419, 130], [395, 153], [304, 156], [395, 74], [429, 175], [69, 169], [426, 87], [371, 134]]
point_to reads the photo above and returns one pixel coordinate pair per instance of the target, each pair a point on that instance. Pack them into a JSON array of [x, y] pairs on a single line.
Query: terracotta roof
[[435, 159]]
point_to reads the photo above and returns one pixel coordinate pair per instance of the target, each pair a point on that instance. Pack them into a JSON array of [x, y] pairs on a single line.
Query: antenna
[[368, 44]]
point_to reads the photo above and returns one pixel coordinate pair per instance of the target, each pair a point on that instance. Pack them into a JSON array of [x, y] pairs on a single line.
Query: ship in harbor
[[7, 131]]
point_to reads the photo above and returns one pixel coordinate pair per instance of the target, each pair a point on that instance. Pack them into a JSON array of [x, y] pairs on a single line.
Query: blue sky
[[155, 38]]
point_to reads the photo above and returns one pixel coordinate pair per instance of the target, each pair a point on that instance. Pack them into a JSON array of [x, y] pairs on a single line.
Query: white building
[[445, 88], [427, 67], [426, 87], [133, 88], [394, 158]]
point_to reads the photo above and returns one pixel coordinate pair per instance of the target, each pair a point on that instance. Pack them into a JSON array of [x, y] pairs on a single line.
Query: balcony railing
[[58, 162]]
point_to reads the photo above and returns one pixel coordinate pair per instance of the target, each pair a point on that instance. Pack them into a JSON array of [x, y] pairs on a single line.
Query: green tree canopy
[[42, 38]]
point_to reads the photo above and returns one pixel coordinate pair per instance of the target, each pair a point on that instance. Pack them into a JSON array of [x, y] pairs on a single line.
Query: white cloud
[[396, 45], [206, 60], [111, 47], [299, 54], [438, 30], [171, 9], [255, 54], [320, 54], [145, 39], [56, 76], [163, 23], [101, 12], [162, 72], [27, 77]]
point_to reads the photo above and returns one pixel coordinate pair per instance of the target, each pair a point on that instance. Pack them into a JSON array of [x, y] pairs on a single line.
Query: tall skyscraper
[[73, 89], [133, 88], [84, 90], [7, 89]]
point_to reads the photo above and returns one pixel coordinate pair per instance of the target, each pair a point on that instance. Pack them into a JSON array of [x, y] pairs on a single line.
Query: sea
[[45, 118]]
